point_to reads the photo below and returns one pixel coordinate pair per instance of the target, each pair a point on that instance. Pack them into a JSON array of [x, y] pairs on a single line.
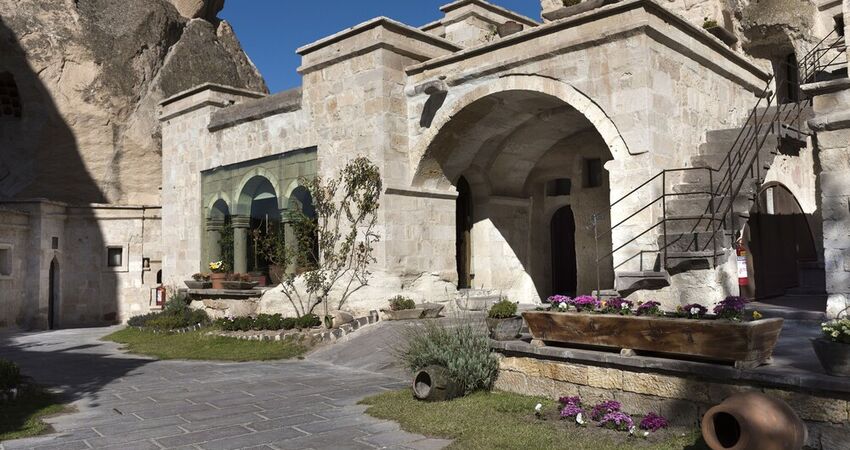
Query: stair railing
[[827, 55], [741, 162]]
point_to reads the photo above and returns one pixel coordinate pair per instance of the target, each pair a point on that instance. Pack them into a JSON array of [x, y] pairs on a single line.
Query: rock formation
[[90, 75]]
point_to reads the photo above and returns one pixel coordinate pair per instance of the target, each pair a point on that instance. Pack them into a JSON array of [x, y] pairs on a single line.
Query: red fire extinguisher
[[743, 275], [160, 296]]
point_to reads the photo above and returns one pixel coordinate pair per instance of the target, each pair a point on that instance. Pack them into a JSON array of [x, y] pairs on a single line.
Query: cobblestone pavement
[[130, 402]]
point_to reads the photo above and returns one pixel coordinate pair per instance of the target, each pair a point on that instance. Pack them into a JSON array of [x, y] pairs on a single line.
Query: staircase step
[[684, 242], [730, 135], [627, 282], [678, 262]]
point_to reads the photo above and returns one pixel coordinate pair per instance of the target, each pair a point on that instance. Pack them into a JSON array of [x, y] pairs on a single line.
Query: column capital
[[240, 221], [214, 224]]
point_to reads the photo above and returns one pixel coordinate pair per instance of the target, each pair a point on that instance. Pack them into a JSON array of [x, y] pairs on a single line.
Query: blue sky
[[271, 30]]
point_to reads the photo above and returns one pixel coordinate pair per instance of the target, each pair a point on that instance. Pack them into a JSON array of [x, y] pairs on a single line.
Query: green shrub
[[709, 24], [463, 349], [502, 309], [399, 303], [308, 321], [142, 321], [10, 375]]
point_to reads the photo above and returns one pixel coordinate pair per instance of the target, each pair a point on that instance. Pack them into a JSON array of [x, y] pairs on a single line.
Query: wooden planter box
[[747, 344]]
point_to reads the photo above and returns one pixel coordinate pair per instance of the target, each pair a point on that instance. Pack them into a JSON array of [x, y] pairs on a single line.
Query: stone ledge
[[764, 376], [317, 335], [280, 103], [830, 122], [825, 87]]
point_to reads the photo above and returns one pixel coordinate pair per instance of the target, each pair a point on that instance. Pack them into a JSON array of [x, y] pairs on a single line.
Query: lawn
[[22, 417], [501, 420], [197, 345]]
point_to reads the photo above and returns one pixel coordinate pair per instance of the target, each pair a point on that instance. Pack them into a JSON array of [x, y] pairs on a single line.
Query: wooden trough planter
[[746, 344]]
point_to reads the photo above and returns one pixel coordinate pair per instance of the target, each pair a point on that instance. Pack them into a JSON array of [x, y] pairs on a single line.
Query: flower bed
[[724, 337], [607, 414]]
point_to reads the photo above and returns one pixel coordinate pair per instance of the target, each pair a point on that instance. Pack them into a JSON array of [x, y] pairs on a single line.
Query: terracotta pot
[[433, 384], [833, 356], [752, 421], [217, 280], [504, 329]]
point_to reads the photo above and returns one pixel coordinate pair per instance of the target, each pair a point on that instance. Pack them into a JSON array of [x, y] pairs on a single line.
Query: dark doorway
[[53, 296], [780, 240], [463, 218], [564, 270]]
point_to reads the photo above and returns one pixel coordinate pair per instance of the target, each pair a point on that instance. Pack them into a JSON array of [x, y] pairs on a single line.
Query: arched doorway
[[53, 296], [507, 146], [258, 216], [781, 242], [301, 207], [564, 267], [463, 234]]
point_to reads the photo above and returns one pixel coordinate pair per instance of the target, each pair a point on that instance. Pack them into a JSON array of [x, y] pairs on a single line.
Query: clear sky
[[271, 30]]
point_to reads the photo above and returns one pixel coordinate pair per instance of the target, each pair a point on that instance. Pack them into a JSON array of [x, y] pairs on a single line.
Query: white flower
[[632, 429], [562, 305], [538, 408], [624, 306], [694, 311], [835, 334], [579, 419], [645, 433]]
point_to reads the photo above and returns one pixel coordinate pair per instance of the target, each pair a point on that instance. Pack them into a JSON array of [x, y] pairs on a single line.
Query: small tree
[[334, 248]]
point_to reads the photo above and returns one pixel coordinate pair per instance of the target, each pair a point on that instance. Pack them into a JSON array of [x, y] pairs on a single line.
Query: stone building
[[80, 152], [611, 145], [501, 137]]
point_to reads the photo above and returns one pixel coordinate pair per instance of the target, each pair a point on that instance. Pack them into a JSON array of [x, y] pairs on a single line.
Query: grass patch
[[501, 420], [197, 345], [22, 417]]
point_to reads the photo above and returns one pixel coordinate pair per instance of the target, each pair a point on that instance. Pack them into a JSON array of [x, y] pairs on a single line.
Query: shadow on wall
[[36, 146]]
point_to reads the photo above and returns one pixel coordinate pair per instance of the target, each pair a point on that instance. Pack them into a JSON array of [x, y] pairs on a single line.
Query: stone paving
[[130, 402]]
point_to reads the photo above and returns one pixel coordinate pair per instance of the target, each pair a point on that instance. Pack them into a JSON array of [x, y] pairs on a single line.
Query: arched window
[[10, 98]]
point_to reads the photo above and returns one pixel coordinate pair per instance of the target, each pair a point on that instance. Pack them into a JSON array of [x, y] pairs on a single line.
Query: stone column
[[241, 224], [214, 227], [832, 127], [288, 235]]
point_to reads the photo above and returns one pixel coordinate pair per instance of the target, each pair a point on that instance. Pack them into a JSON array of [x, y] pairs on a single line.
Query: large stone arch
[[421, 156]]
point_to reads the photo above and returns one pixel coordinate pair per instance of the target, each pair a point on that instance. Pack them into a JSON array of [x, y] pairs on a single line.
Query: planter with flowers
[[608, 414], [833, 349], [502, 321], [218, 275], [725, 336], [238, 282]]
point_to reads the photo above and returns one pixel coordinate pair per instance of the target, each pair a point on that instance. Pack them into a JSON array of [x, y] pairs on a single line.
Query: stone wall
[[682, 399], [14, 240]]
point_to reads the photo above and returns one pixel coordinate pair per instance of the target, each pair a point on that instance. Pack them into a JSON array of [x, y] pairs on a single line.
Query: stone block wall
[[14, 238], [682, 399]]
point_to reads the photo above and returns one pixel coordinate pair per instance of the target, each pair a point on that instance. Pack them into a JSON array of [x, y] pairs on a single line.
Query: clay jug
[[752, 421]]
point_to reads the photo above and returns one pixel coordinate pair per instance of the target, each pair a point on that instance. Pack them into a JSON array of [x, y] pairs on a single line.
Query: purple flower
[[559, 302], [694, 310], [585, 302], [606, 407], [618, 306], [731, 308], [569, 401], [653, 422], [650, 308], [571, 410], [617, 420]]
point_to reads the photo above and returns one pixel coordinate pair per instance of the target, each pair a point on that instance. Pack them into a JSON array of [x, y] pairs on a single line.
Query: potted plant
[[502, 321], [219, 274], [246, 281], [259, 278], [833, 348], [199, 281], [402, 308], [232, 282]]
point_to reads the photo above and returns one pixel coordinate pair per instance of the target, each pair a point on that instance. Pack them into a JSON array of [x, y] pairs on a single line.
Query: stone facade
[[509, 115]]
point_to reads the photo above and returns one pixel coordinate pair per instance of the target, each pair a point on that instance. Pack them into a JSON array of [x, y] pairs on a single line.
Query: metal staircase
[[698, 211]]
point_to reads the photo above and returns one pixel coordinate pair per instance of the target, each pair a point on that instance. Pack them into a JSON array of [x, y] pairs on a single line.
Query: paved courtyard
[[130, 402]]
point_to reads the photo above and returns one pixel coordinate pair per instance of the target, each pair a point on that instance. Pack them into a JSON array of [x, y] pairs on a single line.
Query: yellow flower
[[216, 265], [757, 315]]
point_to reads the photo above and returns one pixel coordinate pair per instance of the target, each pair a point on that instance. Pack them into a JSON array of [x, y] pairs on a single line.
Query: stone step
[[678, 262], [789, 113], [627, 282], [694, 241], [727, 137]]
